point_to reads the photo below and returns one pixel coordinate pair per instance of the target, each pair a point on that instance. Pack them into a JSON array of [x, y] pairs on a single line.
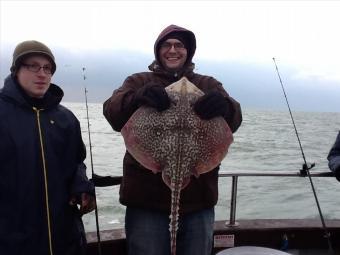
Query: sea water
[[266, 141]]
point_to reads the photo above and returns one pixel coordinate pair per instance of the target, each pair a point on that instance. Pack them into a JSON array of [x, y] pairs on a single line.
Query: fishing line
[[93, 175], [305, 168]]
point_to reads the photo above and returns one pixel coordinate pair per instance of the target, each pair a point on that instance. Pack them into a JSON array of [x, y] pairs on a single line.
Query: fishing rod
[[93, 174], [305, 167]]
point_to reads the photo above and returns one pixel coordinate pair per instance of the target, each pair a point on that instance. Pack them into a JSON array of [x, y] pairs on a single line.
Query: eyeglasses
[[36, 68], [176, 45]]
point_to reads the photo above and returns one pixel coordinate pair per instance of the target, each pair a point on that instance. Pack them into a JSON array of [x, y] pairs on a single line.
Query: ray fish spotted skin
[[177, 143]]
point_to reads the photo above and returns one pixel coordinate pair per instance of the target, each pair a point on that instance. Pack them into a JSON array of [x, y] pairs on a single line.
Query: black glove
[[211, 105], [152, 95]]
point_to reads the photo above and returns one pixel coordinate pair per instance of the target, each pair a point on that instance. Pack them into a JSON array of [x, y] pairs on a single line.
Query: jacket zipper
[[37, 111]]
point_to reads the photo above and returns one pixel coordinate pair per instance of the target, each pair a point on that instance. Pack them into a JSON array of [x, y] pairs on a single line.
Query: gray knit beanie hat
[[26, 48]]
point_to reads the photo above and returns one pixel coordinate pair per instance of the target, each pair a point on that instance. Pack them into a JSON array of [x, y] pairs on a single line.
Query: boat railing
[[103, 181], [274, 234], [235, 175]]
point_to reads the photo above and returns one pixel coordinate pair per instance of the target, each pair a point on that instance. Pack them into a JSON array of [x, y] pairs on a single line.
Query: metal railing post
[[232, 222]]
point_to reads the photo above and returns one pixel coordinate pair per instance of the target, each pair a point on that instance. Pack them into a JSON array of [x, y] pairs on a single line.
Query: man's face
[[33, 79], [173, 54]]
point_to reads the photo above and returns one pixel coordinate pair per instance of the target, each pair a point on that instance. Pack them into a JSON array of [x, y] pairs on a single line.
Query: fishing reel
[[305, 168]]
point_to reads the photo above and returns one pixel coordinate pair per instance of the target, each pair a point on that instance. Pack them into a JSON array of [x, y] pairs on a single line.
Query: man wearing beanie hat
[[27, 48], [42, 175], [146, 196]]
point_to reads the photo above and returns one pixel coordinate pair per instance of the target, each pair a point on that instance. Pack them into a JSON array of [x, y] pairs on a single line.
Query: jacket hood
[[11, 91], [187, 34]]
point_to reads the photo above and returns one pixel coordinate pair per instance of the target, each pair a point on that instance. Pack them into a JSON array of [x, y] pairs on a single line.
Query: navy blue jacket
[[334, 158], [33, 160]]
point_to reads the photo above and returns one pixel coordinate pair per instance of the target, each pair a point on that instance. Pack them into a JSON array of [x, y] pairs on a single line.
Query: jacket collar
[[13, 92], [158, 69]]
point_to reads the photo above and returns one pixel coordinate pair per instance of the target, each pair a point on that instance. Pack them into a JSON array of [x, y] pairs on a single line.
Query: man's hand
[[86, 201], [211, 105], [153, 95]]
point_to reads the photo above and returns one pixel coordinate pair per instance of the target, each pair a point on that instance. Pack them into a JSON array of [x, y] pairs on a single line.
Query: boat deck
[[294, 236], [299, 237]]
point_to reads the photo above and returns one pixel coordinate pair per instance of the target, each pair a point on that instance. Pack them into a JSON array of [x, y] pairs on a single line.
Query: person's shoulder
[[204, 78], [62, 109], [142, 74], [2, 104], [140, 77], [6, 104]]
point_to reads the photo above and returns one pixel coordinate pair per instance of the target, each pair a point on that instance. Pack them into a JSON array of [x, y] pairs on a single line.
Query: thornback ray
[[177, 143]]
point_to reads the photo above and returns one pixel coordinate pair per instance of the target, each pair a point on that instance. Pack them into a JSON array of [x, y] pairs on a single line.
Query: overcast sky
[[301, 34]]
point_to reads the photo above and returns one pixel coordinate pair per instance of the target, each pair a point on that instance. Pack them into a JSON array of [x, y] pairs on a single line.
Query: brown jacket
[[140, 187]]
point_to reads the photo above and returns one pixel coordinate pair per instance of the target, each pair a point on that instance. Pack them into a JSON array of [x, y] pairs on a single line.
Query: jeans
[[147, 232]]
